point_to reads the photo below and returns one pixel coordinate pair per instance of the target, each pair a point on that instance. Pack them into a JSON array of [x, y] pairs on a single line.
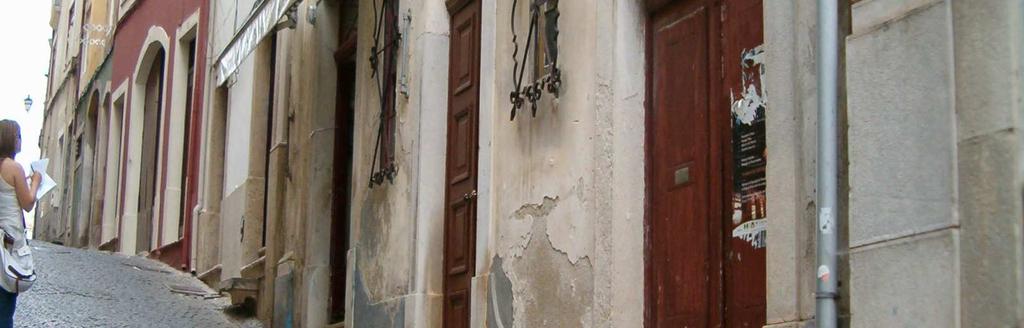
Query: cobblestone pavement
[[80, 288]]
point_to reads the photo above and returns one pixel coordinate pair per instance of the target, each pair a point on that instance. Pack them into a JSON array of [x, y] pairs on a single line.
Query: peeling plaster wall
[[549, 186], [567, 203], [543, 177], [560, 227]]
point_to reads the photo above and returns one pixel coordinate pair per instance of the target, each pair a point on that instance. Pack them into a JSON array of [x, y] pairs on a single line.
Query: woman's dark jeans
[[7, 303]]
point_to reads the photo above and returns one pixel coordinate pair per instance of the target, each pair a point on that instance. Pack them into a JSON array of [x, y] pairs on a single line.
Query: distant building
[[75, 121]]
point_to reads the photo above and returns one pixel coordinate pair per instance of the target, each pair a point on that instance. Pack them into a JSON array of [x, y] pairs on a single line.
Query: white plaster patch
[[516, 242], [514, 233], [569, 230], [752, 231]]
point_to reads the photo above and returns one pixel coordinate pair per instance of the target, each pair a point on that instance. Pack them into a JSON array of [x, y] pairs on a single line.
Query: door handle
[[469, 196]]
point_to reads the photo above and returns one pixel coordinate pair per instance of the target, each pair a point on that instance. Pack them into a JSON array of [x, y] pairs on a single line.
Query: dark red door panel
[[697, 274], [461, 167]]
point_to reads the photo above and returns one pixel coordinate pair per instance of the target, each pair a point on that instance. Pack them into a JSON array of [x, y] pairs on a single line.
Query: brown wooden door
[[460, 181], [697, 274], [150, 130]]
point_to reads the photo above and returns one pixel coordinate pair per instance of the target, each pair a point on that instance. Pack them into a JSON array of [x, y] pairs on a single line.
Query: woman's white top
[[18, 270], [11, 215]]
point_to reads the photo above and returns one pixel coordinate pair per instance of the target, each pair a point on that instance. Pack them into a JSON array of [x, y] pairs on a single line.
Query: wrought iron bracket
[[551, 81]]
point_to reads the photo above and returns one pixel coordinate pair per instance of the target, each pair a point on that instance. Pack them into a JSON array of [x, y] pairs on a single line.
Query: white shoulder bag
[[19, 269]]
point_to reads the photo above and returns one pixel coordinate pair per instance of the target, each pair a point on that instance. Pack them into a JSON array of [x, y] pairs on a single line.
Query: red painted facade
[[129, 40]]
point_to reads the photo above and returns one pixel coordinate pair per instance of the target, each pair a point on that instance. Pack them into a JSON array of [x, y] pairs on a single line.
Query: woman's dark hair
[[10, 132]]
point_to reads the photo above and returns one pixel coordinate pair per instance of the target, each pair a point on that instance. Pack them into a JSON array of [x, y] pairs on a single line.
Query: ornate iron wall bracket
[[383, 56], [551, 81]]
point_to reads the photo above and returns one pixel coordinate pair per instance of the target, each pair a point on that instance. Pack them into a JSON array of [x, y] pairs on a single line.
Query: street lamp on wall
[[28, 103], [542, 37]]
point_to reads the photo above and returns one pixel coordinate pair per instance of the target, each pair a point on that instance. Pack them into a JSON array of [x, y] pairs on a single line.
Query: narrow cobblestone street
[[81, 288]]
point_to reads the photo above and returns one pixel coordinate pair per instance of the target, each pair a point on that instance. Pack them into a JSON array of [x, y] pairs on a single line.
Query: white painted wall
[[239, 122]]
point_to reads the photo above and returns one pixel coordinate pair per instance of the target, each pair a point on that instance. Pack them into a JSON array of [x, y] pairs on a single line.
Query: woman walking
[[17, 195]]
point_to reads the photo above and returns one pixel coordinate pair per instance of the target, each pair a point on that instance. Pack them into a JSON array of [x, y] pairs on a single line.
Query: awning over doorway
[[259, 25]]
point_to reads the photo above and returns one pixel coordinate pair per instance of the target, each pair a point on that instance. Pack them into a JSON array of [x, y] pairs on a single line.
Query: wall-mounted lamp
[[28, 103], [542, 37]]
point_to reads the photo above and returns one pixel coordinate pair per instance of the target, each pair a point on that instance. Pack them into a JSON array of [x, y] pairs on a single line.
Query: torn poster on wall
[[748, 106], [752, 231]]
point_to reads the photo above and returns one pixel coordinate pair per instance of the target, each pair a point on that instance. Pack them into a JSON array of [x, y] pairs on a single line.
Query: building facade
[[76, 120], [611, 163], [89, 134], [159, 50]]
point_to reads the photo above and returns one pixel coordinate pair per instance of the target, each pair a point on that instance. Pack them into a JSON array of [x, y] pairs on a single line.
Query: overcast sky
[[24, 35]]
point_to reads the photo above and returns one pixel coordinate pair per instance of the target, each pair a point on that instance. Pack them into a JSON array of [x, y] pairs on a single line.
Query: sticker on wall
[[825, 221], [749, 147], [752, 232], [823, 273]]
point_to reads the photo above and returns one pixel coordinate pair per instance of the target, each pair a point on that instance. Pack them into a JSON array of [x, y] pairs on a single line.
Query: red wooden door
[[697, 274], [460, 181]]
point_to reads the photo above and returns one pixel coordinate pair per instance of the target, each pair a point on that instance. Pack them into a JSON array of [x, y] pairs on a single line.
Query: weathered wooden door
[[697, 274], [150, 131], [460, 181]]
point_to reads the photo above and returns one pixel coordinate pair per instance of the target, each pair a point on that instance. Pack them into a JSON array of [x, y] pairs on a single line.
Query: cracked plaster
[[547, 289]]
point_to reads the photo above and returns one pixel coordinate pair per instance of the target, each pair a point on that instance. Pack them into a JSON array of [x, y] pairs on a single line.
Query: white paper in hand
[[40, 165], [46, 183]]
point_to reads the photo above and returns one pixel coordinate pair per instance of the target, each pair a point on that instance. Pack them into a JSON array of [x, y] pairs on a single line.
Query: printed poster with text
[[749, 152]]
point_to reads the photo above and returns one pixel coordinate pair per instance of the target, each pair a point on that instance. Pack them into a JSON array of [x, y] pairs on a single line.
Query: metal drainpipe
[[828, 60]]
